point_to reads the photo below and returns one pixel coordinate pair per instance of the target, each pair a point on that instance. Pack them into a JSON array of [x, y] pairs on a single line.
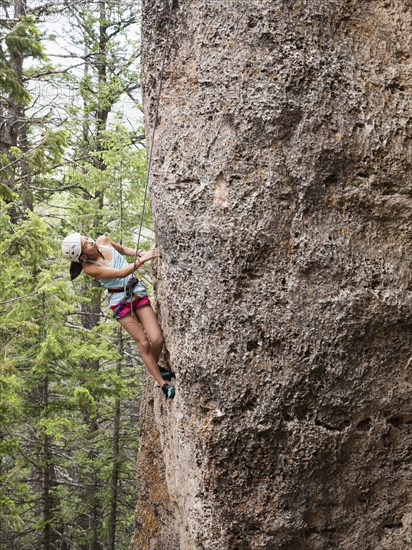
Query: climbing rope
[[156, 118], [150, 156]]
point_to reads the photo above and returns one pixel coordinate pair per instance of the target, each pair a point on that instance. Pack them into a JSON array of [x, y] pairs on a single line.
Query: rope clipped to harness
[[128, 296], [155, 122], [133, 279]]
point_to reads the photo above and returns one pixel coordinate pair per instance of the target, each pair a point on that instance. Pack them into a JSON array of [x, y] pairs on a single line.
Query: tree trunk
[[16, 111], [48, 473], [92, 310], [13, 130], [281, 196], [47, 495], [114, 483]]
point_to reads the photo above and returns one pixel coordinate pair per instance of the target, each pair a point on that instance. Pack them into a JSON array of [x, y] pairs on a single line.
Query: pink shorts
[[127, 306]]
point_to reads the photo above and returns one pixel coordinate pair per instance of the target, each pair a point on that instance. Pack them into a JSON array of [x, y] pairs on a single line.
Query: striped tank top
[[117, 262]]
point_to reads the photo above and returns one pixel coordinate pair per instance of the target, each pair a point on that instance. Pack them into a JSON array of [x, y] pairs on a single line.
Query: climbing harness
[[128, 294]]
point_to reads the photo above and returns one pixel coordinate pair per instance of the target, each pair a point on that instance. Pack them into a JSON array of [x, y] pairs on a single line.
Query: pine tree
[[69, 399], [24, 152]]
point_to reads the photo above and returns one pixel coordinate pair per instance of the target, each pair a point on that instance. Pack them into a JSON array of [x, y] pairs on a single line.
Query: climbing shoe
[[168, 390], [166, 374]]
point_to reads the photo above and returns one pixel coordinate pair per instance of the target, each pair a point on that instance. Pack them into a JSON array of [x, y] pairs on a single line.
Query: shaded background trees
[[72, 158]]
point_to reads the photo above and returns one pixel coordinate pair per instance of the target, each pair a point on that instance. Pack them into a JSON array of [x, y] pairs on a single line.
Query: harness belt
[[128, 293]]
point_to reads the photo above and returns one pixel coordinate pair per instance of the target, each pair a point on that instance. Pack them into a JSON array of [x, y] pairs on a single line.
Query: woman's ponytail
[[75, 270]]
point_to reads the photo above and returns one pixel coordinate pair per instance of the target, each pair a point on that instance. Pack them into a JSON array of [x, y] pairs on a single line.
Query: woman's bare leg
[[149, 322], [131, 324]]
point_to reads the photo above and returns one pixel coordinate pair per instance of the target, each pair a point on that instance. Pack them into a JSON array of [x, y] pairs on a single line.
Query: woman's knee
[[144, 345], [157, 340]]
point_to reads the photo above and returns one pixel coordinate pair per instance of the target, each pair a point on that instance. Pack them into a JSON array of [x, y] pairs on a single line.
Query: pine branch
[[61, 188], [23, 155], [27, 78], [79, 327]]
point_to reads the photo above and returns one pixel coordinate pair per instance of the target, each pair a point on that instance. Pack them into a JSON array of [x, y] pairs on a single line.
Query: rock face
[[282, 199]]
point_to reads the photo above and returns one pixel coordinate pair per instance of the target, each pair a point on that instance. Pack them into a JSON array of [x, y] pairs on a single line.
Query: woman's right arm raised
[[102, 272]]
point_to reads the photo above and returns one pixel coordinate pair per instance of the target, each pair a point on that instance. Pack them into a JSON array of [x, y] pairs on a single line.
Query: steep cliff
[[282, 201]]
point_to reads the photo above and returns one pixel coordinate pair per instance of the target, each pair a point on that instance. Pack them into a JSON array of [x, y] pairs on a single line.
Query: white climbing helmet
[[72, 247]]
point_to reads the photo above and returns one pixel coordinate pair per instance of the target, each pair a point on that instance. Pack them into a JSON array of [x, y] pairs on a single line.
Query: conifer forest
[[280, 213], [72, 158]]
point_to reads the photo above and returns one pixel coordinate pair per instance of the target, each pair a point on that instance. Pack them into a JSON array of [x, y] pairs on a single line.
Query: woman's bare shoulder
[[89, 269], [103, 239]]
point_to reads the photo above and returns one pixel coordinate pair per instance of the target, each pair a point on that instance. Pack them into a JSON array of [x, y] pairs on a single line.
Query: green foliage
[[61, 374], [49, 152], [6, 194], [24, 39], [50, 388], [10, 85], [120, 184]]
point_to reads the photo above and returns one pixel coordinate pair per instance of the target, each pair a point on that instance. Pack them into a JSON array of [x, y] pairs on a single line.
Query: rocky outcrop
[[281, 195]]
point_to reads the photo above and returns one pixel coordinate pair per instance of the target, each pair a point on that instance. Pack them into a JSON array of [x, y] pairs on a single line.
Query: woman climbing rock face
[[103, 260]]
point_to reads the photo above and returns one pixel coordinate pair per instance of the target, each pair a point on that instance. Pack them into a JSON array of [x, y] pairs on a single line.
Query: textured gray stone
[[281, 194]]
